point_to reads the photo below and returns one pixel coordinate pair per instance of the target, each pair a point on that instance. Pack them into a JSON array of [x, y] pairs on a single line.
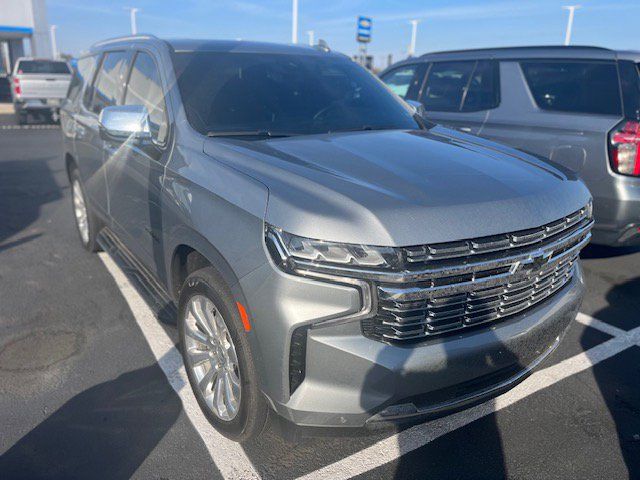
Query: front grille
[[459, 285]]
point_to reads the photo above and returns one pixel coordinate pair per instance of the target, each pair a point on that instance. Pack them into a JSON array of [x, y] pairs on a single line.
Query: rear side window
[[468, 86], [446, 84], [107, 82], [630, 83], [405, 81], [581, 87], [145, 88], [42, 66], [83, 74]]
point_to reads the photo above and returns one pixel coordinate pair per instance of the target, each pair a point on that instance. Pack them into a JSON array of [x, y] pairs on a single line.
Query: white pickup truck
[[39, 86]]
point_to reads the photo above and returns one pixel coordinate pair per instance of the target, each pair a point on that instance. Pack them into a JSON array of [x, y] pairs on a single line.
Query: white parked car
[[39, 85]]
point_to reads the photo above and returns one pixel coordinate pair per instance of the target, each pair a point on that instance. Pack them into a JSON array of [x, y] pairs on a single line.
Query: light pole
[[572, 9], [414, 34], [134, 26], [54, 46], [294, 22], [310, 33]]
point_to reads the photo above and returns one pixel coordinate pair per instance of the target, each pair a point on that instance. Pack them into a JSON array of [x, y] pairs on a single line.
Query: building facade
[[24, 29]]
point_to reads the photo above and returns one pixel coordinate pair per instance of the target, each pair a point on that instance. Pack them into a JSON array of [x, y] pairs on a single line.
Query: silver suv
[[335, 258], [576, 106]]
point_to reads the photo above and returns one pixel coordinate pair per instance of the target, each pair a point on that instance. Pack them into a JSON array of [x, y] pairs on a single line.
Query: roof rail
[[142, 36], [528, 47]]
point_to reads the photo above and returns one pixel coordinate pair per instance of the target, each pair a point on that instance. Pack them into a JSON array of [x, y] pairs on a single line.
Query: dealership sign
[[363, 34]]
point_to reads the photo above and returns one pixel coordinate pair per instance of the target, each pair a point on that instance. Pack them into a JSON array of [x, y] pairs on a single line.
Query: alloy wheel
[[211, 357]]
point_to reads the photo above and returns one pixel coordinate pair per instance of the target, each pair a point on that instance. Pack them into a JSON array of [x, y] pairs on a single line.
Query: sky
[[444, 25]]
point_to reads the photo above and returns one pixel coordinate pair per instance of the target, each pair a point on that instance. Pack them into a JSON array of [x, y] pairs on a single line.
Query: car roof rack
[[525, 48], [142, 36]]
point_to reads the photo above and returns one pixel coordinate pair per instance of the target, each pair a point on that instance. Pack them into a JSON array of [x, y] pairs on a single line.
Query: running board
[[144, 281]]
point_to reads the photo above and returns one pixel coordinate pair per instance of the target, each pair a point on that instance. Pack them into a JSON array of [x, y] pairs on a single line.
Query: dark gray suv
[[335, 258], [577, 106]]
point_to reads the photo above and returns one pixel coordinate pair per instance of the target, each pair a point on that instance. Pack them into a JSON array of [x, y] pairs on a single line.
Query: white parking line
[[233, 463], [229, 457], [394, 447], [28, 127], [589, 321]]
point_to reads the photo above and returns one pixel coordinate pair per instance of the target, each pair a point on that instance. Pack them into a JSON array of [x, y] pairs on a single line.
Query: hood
[[401, 188]]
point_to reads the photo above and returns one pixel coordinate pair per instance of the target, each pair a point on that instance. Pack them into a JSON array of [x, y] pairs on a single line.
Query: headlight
[[292, 252]]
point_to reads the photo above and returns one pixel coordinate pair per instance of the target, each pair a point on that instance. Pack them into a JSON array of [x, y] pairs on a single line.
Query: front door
[[136, 167]]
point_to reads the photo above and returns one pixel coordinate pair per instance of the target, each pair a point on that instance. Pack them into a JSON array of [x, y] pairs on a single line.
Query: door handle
[[465, 129]]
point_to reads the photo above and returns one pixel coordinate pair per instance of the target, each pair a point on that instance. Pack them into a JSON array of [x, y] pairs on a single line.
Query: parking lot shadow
[[105, 431], [25, 186], [622, 394]]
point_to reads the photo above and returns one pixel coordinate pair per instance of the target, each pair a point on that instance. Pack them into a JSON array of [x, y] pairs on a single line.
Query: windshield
[[42, 66], [284, 94]]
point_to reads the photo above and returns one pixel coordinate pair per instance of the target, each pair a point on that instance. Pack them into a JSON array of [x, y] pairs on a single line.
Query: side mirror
[[123, 122], [417, 107]]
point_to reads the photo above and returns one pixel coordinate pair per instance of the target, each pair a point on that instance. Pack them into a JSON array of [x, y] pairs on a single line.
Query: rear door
[[459, 94]]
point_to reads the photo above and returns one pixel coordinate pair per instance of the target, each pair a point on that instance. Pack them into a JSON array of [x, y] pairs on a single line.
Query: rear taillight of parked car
[[624, 148], [16, 86]]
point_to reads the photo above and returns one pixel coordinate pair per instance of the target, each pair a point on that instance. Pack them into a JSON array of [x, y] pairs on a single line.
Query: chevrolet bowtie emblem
[[534, 263]]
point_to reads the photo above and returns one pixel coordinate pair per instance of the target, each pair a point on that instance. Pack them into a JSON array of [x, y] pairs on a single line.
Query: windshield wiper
[[365, 128], [248, 133]]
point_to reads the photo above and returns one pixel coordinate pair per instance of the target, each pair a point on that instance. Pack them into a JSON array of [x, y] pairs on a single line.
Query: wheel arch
[[191, 252], [69, 163]]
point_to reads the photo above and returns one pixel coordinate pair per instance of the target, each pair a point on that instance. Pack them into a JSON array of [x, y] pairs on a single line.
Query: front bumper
[[52, 104], [352, 381]]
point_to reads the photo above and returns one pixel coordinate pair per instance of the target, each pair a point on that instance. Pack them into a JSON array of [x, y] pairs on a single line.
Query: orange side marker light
[[244, 317]]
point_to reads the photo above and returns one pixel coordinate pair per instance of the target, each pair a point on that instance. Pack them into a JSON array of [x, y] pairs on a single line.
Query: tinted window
[[145, 88], [42, 66], [585, 87], [81, 75], [297, 94], [106, 85], [630, 82], [404, 79], [445, 86], [483, 92]]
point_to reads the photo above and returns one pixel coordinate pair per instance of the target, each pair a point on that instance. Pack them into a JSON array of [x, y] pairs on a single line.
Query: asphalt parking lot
[[91, 384]]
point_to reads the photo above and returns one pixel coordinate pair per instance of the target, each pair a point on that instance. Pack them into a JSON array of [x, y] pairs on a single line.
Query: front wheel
[[217, 357]]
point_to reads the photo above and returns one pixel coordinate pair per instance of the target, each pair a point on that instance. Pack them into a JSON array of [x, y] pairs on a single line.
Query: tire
[[202, 290], [88, 234], [22, 118]]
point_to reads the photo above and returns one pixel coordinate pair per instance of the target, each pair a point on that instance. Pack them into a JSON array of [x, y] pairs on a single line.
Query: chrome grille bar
[[458, 290]]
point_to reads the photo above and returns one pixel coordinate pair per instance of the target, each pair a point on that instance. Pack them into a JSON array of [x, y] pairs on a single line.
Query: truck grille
[[457, 285]]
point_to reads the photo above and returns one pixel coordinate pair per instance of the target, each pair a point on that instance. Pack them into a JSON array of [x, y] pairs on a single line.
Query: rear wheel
[[22, 117], [86, 222], [217, 357]]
